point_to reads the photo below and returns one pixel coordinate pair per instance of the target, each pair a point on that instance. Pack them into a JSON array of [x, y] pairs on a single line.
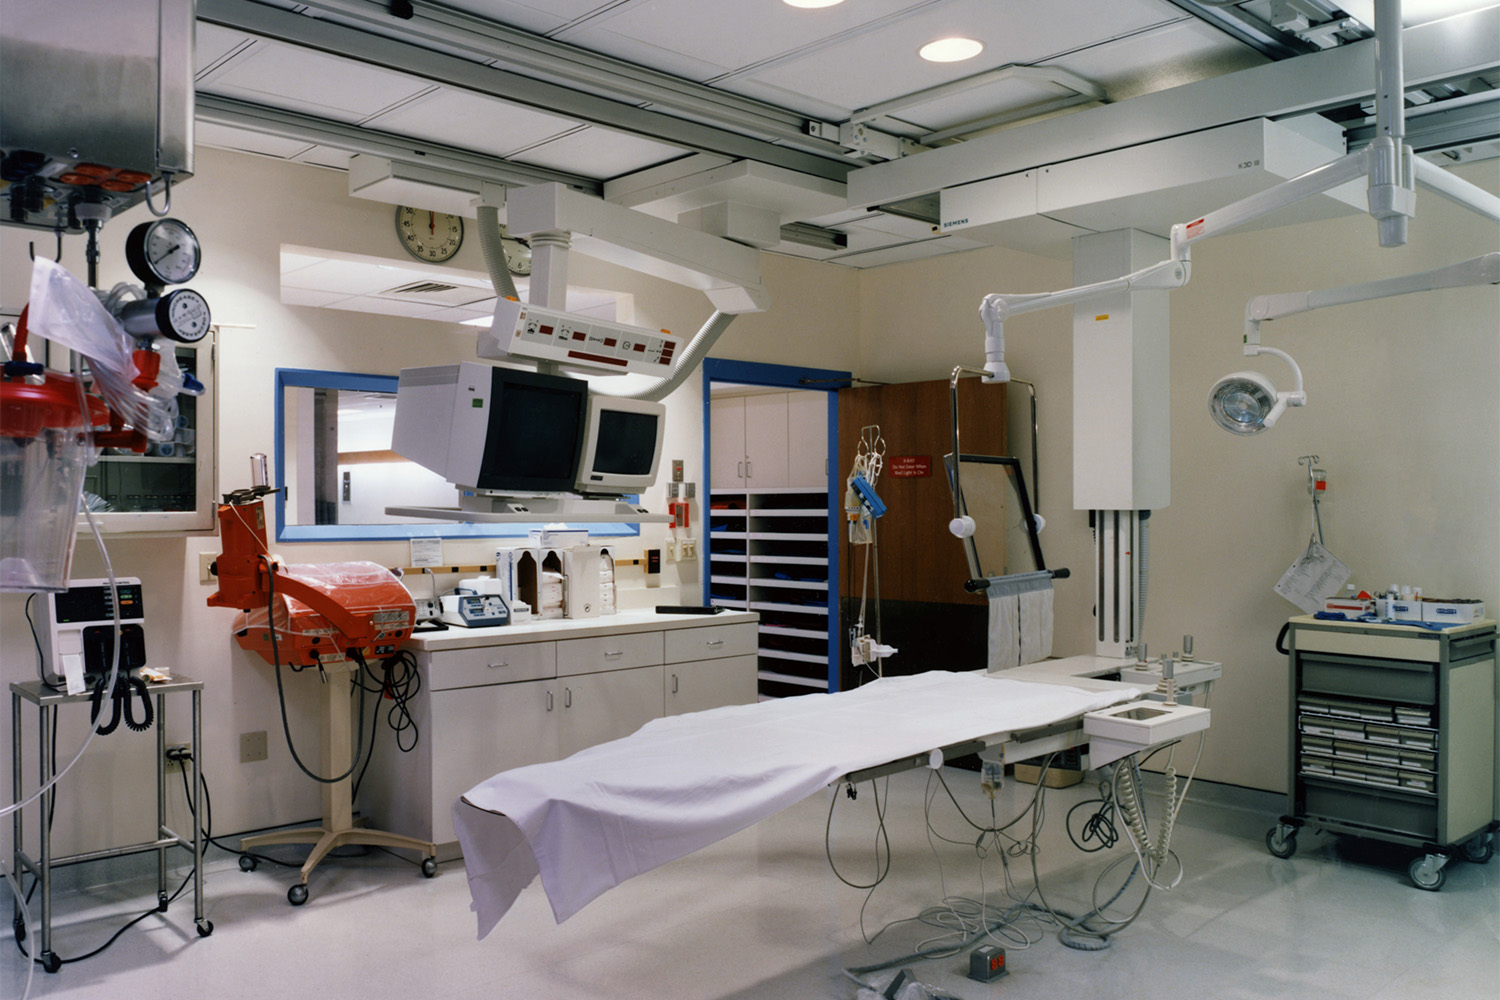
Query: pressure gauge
[[163, 252], [181, 314]]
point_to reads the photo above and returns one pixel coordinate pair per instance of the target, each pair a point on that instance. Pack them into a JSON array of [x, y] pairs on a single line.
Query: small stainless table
[[47, 702]]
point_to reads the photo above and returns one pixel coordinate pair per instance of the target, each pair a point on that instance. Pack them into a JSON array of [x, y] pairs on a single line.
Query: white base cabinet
[[496, 699]]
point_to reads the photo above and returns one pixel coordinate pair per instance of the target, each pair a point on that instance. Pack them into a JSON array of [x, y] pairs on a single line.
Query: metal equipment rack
[[1392, 736], [47, 702]]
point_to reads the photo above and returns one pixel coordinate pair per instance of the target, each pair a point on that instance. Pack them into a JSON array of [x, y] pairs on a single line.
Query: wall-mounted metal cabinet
[[1393, 737], [171, 487]]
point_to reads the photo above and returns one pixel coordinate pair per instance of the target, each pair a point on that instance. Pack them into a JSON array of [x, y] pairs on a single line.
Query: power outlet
[[173, 750], [253, 747], [206, 566]]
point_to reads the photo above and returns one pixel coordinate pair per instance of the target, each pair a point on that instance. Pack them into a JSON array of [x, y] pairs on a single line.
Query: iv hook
[[31, 247]]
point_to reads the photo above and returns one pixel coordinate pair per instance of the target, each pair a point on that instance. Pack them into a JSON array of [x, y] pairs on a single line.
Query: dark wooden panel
[[919, 560]]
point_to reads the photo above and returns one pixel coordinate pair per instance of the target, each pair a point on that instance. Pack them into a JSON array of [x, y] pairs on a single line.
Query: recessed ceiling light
[[950, 50], [811, 4]]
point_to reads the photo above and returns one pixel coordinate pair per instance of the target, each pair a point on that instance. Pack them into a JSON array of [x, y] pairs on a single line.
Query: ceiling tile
[[214, 43], [540, 16], [245, 141], [387, 307], [879, 65], [288, 77], [599, 153], [701, 40], [467, 120], [348, 277], [1164, 57], [325, 156], [309, 297]]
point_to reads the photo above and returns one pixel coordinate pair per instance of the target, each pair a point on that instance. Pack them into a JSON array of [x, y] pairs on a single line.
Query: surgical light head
[[1247, 402]]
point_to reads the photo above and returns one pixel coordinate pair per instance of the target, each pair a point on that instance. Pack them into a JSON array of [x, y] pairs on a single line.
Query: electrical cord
[[286, 727], [1098, 833], [400, 689]]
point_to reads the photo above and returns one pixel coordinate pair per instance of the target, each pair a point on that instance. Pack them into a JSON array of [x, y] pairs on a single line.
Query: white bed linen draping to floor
[[589, 822]]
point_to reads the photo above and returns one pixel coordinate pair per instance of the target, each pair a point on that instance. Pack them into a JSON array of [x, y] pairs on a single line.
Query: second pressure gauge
[[163, 252], [181, 314]]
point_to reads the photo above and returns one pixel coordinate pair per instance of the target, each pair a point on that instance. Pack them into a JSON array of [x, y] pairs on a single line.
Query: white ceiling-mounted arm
[[727, 272], [997, 307], [1481, 270], [1457, 190]]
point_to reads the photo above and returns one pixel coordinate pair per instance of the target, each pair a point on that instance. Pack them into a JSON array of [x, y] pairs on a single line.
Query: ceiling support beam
[[495, 61], [402, 149], [1454, 48]]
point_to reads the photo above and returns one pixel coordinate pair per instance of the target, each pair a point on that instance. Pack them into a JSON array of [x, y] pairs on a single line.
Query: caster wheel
[[50, 961], [1479, 848], [161, 902], [248, 863], [205, 928], [297, 894], [429, 867], [1425, 876], [1281, 844]]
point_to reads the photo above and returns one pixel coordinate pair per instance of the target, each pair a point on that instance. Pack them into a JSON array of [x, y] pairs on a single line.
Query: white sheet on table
[[680, 783]]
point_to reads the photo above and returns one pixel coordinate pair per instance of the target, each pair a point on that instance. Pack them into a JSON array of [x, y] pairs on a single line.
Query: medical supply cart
[[47, 701], [1392, 736]]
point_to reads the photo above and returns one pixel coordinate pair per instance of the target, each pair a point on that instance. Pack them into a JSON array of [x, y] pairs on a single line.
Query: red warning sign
[[910, 466]]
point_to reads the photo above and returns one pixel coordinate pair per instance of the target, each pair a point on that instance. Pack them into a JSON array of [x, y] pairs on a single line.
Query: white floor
[[761, 917]]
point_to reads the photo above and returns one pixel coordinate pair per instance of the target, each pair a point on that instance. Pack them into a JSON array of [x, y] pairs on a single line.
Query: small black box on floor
[[987, 963]]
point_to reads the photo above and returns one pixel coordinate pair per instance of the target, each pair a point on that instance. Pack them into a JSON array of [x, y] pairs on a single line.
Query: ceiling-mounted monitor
[[621, 445]]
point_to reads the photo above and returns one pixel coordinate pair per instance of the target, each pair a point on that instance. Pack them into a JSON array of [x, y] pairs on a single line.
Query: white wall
[[1403, 408]]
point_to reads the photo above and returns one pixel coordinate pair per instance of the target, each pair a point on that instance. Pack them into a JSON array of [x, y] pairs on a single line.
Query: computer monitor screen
[[534, 432], [498, 430], [622, 445]]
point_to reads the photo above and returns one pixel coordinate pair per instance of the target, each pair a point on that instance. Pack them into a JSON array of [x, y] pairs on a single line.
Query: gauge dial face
[[428, 235], [164, 252], [186, 316]]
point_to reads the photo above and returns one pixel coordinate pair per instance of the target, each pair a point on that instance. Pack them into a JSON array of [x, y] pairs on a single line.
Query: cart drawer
[[1366, 677], [1375, 811]]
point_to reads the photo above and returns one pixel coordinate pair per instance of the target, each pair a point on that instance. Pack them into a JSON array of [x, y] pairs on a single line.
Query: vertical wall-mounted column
[[1121, 432]]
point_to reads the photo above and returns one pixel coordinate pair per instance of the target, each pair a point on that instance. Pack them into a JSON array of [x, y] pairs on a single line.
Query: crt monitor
[[621, 445], [493, 429]]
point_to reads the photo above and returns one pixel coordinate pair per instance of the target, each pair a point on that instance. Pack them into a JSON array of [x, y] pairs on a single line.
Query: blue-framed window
[[338, 472]]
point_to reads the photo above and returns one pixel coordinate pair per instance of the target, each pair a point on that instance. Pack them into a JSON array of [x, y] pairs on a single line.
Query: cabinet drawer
[[1363, 677], [608, 652], [480, 665], [709, 641], [1376, 810]]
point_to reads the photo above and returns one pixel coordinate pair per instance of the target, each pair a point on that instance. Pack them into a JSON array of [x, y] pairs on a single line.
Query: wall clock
[[427, 235]]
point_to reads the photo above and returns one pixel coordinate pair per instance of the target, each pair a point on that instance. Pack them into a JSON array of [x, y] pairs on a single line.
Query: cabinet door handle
[[549, 701], [749, 469], [500, 666], [613, 652], [715, 642], [739, 470], [674, 683], [567, 697]]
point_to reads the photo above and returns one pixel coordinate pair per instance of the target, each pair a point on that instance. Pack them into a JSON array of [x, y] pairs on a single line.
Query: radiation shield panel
[[992, 491]]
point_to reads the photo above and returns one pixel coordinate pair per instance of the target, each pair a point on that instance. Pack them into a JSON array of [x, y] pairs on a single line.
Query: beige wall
[[1403, 410]]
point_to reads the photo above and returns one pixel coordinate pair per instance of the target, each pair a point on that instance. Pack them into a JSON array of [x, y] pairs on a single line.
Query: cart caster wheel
[[248, 863], [429, 867], [1425, 875], [205, 928], [1281, 843], [1479, 848], [297, 894], [161, 902], [50, 961]]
